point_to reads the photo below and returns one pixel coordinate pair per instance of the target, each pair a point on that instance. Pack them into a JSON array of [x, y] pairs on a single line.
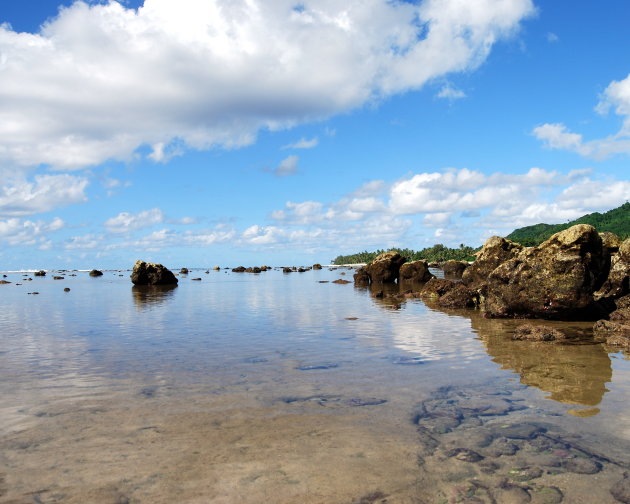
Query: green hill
[[616, 221]]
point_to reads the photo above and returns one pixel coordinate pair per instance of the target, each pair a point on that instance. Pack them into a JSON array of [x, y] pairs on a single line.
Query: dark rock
[[66, 289], [385, 268], [464, 454], [557, 279], [313, 367], [531, 332], [361, 401], [255, 269], [152, 274], [96, 273], [287, 270], [459, 296], [239, 269], [494, 252], [437, 287], [454, 269], [196, 279], [618, 282], [341, 281], [415, 271], [361, 278], [40, 273], [581, 465], [317, 266], [621, 490], [58, 278], [183, 271], [4, 282]]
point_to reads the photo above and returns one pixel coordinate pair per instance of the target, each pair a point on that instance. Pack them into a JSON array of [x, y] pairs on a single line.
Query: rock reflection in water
[[570, 373], [146, 295]]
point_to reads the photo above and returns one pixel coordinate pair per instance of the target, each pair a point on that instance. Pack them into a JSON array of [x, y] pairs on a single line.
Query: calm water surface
[[280, 388]]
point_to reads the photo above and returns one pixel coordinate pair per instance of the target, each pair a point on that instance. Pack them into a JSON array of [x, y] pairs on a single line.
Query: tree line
[[436, 253]]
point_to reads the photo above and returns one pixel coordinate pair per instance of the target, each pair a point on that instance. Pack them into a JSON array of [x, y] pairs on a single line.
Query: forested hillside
[[616, 221], [437, 253]]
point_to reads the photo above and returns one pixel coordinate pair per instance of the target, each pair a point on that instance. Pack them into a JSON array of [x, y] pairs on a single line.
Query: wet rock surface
[[557, 279], [530, 332], [454, 269], [415, 271], [495, 251], [152, 274], [500, 452], [385, 268]]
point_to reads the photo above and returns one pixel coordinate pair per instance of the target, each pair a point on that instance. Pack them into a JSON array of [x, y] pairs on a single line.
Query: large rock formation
[[495, 252], [617, 329], [556, 279], [454, 269], [415, 271], [152, 274], [618, 282], [385, 268]]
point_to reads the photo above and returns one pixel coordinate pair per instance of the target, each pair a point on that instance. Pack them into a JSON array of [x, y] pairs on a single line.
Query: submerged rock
[[152, 274], [459, 296], [557, 279], [530, 332]]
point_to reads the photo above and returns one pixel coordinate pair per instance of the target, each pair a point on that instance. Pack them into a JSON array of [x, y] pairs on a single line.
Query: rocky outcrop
[[436, 288], [618, 282], [616, 330], [183, 271], [554, 280], [454, 269], [152, 274], [317, 266], [415, 271], [385, 268], [239, 269], [459, 296], [40, 273], [494, 252], [361, 278], [96, 273]]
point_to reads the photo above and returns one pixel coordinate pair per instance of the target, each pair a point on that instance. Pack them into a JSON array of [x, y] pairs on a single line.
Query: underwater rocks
[[530, 332], [483, 448], [152, 274]]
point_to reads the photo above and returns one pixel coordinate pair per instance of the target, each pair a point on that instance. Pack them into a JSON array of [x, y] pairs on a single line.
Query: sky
[[224, 132]]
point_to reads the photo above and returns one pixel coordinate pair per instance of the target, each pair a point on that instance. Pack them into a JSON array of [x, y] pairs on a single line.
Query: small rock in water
[[352, 318], [66, 289], [511, 494], [196, 279], [58, 278], [547, 495], [621, 490], [313, 367], [96, 273], [519, 431], [358, 401], [341, 281], [526, 473], [581, 465], [464, 454]]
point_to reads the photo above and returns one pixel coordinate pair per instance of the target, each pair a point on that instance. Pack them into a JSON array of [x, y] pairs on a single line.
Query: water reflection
[[570, 373], [147, 295]]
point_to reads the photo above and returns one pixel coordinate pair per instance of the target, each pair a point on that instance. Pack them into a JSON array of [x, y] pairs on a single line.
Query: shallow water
[[279, 388]]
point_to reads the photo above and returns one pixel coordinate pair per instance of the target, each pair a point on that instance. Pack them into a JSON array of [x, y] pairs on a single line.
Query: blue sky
[[205, 132]]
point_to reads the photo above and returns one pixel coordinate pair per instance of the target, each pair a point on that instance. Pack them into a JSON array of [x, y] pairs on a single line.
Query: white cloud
[[615, 97], [125, 221], [303, 143], [552, 37], [450, 93], [19, 196], [287, 166], [100, 81], [15, 231]]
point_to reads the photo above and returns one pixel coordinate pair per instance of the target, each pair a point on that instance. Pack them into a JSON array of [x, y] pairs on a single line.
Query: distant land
[[615, 221]]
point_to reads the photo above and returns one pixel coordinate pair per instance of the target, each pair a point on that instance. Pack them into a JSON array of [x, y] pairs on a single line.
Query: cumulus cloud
[[616, 97], [20, 196], [15, 231], [125, 221], [99, 81]]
